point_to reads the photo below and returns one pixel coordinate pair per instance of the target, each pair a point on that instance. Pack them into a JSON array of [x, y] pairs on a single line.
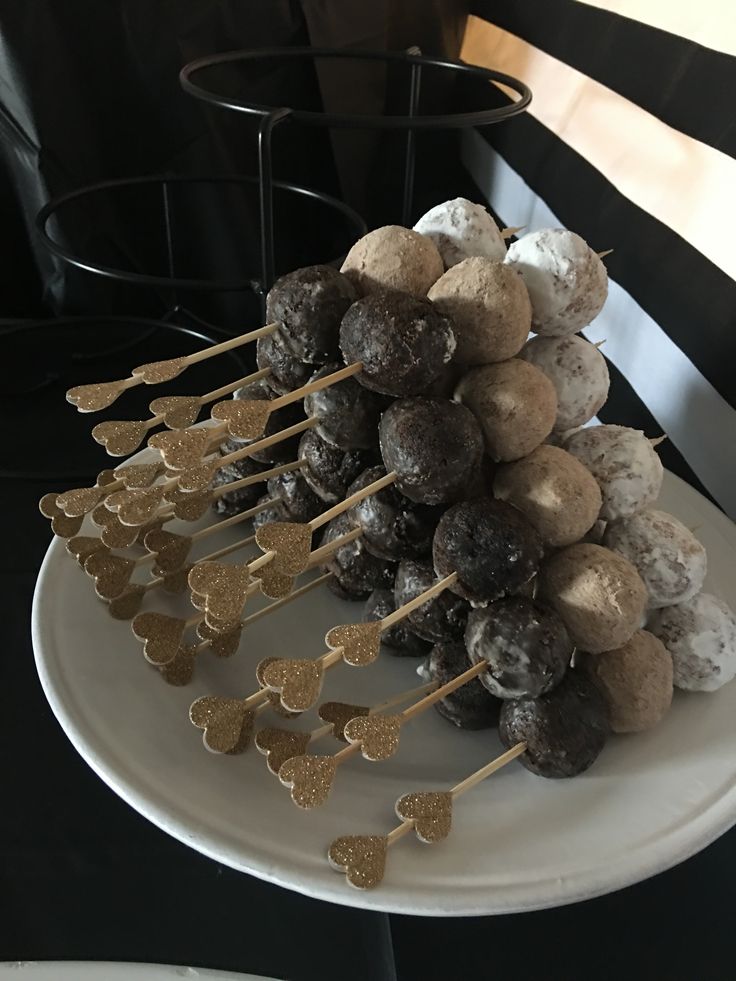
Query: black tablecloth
[[84, 876]]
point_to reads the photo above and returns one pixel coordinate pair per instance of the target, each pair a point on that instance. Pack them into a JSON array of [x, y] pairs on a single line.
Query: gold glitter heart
[[128, 603], [291, 543], [105, 477], [299, 682], [171, 550], [227, 724], [339, 714], [161, 636], [113, 534], [192, 506], [197, 478], [120, 438], [181, 448], [361, 857], [138, 475], [179, 411], [82, 546], [176, 582], [431, 813], [180, 670], [225, 586], [275, 585], [111, 573], [156, 372], [279, 745], [92, 398], [274, 699], [245, 419], [48, 506], [80, 501], [221, 644], [61, 525], [360, 642], [378, 735], [139, 506], [310, 779], [198, 600]]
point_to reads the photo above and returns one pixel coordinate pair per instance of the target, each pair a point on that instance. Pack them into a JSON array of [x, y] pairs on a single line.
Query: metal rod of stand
[[410, 157], [265, 171], [173, 299]]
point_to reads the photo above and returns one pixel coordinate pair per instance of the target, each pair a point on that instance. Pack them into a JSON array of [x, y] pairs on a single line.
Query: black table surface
[[86, 877]]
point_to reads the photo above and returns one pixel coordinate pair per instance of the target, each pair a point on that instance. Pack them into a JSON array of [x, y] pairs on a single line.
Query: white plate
[[519, 842], [109, 971]]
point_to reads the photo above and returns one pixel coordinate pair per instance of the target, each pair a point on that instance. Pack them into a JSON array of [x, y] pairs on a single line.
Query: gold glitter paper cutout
[[338, 714], [291, 542], [80, 501], [361, 857], [171, 550], [299, 682], [156, 372], [274, 699], [378, 735], [66, 527], [92, 398], [138, 475], [180, 670], [245, 419], [140, 507], [221, 644], [111, 573], [178, 411], [48, 506], [197, 478], [198, 600], [192, 506], [279, 745], [113, 534], [361, 642], [176, 582], [128, 603], [82, 546], [310, 779], [227, 724], [161, 636], [275, 585], [181, 448], [121, 437], [105, 477], [431, 813], [225, 586]]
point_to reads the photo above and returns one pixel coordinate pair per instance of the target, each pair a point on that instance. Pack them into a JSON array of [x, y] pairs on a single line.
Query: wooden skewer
[[513, 230], [403, 696], [656, 440], [602, 255]]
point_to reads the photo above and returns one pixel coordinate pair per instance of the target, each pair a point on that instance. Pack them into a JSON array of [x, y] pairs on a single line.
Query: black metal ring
[[168, 282], [461, 120]]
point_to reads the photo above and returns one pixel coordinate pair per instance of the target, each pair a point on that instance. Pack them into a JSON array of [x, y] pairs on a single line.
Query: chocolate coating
[[491, 546], [469, 707], [276, 512], [393, 526], [300, 501], [348, 413], [237, 501], [440, 619], [403, 342], [565, 730], [309, 304], [288, 372], [434, 446], [356, 572], [328, 470], [525, 644], [399, 639]]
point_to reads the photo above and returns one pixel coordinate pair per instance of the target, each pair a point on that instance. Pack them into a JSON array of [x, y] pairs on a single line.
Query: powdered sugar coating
[[461, 229], [566, 280], [700, 634], [579, 373], [668, 557], [626, 466]]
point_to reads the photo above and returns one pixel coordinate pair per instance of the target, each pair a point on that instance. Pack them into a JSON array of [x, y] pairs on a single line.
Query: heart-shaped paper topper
[[139, 506], [178, 411], [431, 814], [157, 372], [291, 544], [221, 644], [192, 507], [48, 506], [310, 779], [111, 573], [120, 437], [128, 603], [361, 857], [245, 419], [299, 682], [93, 398], [80, 501], [138, 475], [176, 582], [82, 546], [60, 525], [226, 722], [378, 735], [181, 448], [360, 642], [338, 714], [112, 533], [198, 478], [279, 745], [171, 550], [274, 585], [274, 699], [105, 477], [180, 670], [225, 587], [161, 636]]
